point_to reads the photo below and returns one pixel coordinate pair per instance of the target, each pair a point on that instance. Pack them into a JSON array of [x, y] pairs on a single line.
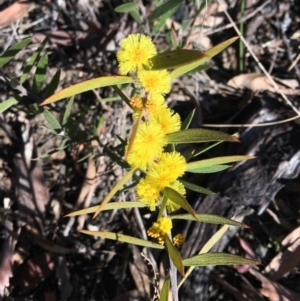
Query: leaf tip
[[45, 102]]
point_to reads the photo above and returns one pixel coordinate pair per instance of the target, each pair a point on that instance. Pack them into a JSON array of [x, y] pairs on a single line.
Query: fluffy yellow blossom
[[136, 103], [155, 81], [147, 145], [155, 103], [147, 194], [135, 52], [168, 119], [178, 240], [178, 186], [169, 167], [160, 229]]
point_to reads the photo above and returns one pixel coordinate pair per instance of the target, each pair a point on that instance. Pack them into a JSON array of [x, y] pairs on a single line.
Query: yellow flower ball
[[135, 53]]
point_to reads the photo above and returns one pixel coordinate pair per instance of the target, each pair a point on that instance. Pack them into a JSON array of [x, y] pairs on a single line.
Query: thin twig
[[221, 2], [245, 18], [245, 125], [173, 278]]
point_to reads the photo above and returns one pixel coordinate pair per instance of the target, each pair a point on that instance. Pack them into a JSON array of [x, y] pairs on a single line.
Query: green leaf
[[189, 68], [161, 22], [196, 188], [5, 105], [32, 61], [164, 294], [210, 219], [68, 110], [40, 74], [133, 135], [206, 149], [88, 85], [114, 190], [164, 9], [123, 238], [198, 165], [218, 259], [136, 16], [209, 169], [220, 47], [198, 136], [176, 58], [189, 57], [174, 255], [52, 86], [187, 121], [173, 39], [52, 121], [12, 51], [213, 240], [177, 198], [126, 8], [119, 160], [110, 206], [205, 249], [162, 207]]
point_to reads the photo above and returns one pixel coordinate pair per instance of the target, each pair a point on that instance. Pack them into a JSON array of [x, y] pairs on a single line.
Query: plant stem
[[173, 279]]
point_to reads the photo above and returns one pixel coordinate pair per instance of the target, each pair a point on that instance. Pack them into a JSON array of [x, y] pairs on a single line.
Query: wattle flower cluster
[[160, 229], [147, 149]]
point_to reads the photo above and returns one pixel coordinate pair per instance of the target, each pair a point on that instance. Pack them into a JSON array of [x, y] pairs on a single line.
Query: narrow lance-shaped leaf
[[198, 136], [126, 8], [196, 188], [13, 50], [191, 67], [187, 121], [32, 61], [164, 294], [206, 149], [68, 110], [123, 238], [208, 245], [161, 22], [52, 86], [110, 206], [114, 191], [177, 198], [115, 88], [162, 207], [218, 259], [176, 58], [191, 166], [220, 47], [182, 57], [136, 15], [131, 8], [52, 121], [209, 218], [164, 8], [174, 255], [40, 74], [214, 239], [5, 105], [88, 85], [133, 135], [209, 169]]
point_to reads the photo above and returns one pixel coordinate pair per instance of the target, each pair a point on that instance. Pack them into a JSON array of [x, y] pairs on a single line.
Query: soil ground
[[45, 174]]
